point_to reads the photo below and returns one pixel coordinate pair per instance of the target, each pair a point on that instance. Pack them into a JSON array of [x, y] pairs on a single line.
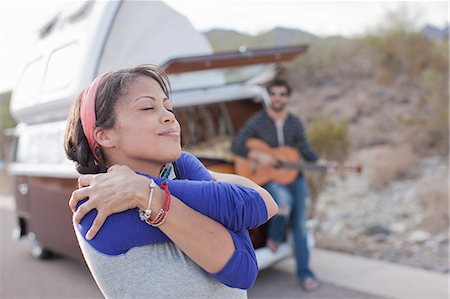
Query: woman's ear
[[104, 137]]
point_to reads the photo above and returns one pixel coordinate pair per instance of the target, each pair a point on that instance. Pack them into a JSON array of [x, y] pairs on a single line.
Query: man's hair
[[281, 83]]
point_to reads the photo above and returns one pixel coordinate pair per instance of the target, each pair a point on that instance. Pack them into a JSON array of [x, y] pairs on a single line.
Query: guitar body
[[262, 174], [288, 167]]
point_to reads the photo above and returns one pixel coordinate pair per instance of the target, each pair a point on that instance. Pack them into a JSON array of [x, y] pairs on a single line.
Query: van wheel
[[37, 251]]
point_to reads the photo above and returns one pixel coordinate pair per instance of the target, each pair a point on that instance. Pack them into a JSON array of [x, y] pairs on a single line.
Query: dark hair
[[279, 82], [75, 142]]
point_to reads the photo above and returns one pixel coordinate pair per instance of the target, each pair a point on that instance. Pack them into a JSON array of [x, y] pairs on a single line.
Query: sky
[[20, 20], [322, 18]]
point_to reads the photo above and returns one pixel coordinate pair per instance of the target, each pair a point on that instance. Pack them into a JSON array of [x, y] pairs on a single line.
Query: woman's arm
[[234, 206], [191, 168], [227, 255], [242, 269], [271, 205]]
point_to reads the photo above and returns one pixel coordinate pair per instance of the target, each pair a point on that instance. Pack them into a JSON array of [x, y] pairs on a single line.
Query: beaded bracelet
[[164, 211], [145, 215]]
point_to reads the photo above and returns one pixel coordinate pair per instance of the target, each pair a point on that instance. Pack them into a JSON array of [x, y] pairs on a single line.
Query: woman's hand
[[118, 190], [271, 205]]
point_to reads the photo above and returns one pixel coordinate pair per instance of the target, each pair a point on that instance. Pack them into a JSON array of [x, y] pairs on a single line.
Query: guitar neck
[[303, 166]]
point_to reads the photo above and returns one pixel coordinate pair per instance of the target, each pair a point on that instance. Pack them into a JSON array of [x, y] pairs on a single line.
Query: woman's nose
[[167, 116]]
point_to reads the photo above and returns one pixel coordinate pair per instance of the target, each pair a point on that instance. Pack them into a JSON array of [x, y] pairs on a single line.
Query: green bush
[[330, 140]]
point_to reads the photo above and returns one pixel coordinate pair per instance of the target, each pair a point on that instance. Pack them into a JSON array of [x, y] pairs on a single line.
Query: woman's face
[[146, 133]]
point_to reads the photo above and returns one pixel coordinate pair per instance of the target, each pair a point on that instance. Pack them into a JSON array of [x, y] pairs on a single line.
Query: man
[[277, 127]]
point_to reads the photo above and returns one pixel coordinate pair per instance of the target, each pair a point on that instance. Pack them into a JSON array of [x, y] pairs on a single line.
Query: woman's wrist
[[157, 202], [141, 193]]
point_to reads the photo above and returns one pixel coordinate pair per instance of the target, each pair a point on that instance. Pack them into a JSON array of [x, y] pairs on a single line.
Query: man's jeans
[[293, 201]]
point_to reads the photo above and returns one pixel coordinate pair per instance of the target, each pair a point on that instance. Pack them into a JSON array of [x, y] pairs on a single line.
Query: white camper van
[[213, 95]]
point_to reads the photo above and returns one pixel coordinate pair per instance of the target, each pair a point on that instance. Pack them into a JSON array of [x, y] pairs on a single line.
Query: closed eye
[[148, 108]]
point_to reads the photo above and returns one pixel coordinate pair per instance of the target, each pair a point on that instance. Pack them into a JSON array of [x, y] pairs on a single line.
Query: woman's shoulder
[[190, 167], [188, 161], [185, 162], [186, 156]]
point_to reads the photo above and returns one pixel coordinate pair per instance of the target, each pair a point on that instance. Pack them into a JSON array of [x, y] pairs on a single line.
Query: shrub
[[428, 130], [330, 140], [399, 50]]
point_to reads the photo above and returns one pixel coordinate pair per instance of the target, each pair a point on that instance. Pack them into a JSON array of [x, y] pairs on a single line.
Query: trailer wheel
[[36, 249]]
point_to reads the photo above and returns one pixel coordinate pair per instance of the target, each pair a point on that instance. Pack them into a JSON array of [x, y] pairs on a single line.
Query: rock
[[380, 238], [388, 223], [376, 230], [442, 239], [336, 229], [398, 227], [418, 236]]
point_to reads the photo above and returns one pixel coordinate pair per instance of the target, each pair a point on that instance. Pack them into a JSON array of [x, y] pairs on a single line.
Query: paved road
[[24, 277]]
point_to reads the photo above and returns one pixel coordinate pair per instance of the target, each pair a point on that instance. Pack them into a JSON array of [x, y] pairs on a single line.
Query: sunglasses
[[283, 94]]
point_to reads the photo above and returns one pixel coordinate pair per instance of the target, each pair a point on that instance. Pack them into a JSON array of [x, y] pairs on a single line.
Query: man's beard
[[278, 108]]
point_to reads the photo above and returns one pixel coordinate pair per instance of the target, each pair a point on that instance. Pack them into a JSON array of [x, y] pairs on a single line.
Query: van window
[[29, 83], [41, 144], [60, 62]]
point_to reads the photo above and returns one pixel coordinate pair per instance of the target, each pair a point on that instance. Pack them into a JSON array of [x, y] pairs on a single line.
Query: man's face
[[279, 98]]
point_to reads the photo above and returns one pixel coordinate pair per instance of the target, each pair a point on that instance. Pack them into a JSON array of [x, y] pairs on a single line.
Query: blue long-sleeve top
[[236, 207]]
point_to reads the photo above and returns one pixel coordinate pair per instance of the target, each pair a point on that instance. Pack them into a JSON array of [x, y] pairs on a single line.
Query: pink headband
[[87, 111]]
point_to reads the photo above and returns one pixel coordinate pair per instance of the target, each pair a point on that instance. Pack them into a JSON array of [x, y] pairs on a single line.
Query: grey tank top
[[152, 271]]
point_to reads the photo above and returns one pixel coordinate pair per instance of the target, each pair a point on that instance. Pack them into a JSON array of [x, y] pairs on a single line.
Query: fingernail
[[89, 236]]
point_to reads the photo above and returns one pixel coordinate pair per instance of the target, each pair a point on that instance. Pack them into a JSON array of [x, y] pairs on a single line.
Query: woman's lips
[[170, 134]]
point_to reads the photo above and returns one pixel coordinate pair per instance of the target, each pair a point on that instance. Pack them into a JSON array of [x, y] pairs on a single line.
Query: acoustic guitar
[[288, 167]]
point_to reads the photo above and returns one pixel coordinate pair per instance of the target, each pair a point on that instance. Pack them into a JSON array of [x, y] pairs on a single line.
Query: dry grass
[[388, 163], [433, 193], [435, 204]]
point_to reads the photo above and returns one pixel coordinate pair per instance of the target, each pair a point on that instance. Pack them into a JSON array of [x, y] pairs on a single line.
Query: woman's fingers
[[112, 192], [96, 225], [115, 167], [85, 180], [78, 195], [82, 211]]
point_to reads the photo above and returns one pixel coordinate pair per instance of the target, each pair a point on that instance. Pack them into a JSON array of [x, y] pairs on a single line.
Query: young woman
[[160, 225]]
